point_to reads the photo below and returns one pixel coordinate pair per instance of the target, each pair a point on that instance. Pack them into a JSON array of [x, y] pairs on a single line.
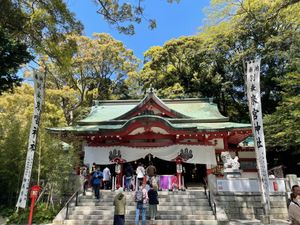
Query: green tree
[[51, 162], [282, 126], [31, 26], [125, 15], [265, 29], [215, 62], [179, 68], [13, 52], [96, 70]]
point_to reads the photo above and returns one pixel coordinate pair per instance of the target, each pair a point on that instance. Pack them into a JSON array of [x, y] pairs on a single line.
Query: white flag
[[254, 102], [39, 83]]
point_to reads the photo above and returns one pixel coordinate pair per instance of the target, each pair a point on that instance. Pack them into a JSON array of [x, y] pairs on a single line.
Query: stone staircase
[[185, 208]]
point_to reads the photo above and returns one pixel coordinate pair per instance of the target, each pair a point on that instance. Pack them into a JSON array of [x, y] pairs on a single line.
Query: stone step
[[193, 192], [130, 212], [184, 208], [160, 197], [132, 217], [155, 222], [159, 207], [98, 203]]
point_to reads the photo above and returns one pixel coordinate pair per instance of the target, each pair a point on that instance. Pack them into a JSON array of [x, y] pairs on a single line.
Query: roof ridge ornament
[[151, 90]]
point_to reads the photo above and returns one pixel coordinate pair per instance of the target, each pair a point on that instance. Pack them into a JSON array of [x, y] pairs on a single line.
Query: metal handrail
[[75, 195], [212, 203]]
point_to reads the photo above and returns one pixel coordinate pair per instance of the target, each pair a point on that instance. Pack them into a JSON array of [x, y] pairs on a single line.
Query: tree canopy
[[96, 69], [124, 16], [29, 28]]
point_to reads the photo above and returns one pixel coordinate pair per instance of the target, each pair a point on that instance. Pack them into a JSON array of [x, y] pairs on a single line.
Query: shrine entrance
[[194, 174]]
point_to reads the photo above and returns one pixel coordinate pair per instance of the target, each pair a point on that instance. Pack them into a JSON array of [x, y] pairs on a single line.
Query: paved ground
[[233, 222], [257, 222]]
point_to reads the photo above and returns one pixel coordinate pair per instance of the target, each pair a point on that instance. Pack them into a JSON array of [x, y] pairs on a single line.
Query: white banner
[[39, 83], [254, 102], [194, 153]]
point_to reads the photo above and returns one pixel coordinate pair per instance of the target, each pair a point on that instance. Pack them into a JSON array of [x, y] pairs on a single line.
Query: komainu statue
[[230, 162]]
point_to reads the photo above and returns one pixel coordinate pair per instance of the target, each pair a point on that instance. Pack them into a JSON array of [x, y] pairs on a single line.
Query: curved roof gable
[[151, 101], [199, 109]]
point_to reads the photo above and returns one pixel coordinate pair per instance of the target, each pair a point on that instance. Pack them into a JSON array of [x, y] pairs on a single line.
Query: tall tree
[[180, 68], [251, 28], [95, 70], [265, 29], [13, 54], [15, 119], [29, 28], [125, 15]]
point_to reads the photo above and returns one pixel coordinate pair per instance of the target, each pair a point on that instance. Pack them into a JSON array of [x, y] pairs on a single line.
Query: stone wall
[[247, 205]]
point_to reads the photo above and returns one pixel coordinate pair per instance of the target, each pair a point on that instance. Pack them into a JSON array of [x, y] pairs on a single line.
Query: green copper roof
[[197, 108], [179, 126], [192, 114], [104, 112], [193, 108]]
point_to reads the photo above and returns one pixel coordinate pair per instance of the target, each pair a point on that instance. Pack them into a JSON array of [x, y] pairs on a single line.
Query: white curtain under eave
[[100, 155]]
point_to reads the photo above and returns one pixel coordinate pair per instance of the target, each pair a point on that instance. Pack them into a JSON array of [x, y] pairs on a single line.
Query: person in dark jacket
[[97, 180], [153, 202], [119, 203], [128, 176]]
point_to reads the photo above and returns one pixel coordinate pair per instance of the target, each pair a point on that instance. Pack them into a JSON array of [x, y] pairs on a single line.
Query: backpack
[[139, 196]]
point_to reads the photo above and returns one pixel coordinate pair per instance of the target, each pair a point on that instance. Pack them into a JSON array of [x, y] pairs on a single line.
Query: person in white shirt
[[106, 177], [140, 172]]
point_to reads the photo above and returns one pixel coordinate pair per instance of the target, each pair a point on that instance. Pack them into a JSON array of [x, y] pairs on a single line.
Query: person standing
[[128, 176], [120, 204], [140, 172], [294, 209], [153, 202], [151, 171], [106, 177], [296, 191], [141, 199], [97, 179], [84, 178]]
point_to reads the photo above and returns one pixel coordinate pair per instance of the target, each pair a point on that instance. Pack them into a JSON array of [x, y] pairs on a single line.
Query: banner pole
[[255, 110], [39, 86]]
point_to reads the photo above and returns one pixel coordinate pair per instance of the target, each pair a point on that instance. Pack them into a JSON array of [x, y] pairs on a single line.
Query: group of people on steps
[[144, 199], [145, 196]]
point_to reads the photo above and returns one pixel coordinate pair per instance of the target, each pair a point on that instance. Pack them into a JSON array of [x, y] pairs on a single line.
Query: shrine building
[[161, 130]]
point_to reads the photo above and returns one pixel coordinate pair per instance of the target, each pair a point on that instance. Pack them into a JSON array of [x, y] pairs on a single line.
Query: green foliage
[[34, 25], [283, 126], [212, 64], [13, 53], [51, 163], [42, 214], [124, 15], [96, 69]]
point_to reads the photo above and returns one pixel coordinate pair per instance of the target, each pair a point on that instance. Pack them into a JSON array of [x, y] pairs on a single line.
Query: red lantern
[[34, 194], [275, 186]]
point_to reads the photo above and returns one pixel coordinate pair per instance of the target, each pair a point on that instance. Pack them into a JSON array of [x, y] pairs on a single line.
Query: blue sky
[[173, 20]]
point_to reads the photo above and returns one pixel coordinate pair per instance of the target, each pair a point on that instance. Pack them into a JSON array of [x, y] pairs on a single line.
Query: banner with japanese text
[[39, 83], [255, 109]]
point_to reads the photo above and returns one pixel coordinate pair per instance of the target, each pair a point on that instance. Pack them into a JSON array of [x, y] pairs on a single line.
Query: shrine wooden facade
[[163, 128]]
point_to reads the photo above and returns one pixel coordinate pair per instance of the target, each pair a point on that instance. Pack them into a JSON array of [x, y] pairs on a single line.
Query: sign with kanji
[[39, 83], [254, 103]]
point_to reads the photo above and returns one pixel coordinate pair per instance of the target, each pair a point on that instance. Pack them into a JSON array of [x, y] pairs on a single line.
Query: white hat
[[120, 190]]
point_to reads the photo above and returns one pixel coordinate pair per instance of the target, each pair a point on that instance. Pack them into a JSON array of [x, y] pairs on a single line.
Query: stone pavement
[[257, 222], [233, 222]]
